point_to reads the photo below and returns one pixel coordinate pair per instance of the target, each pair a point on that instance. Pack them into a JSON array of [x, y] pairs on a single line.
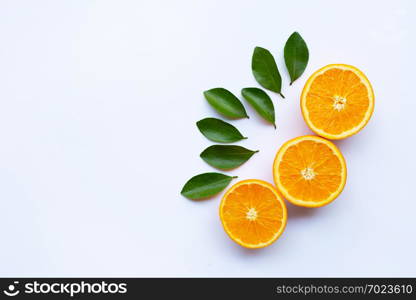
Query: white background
[[98, 104]]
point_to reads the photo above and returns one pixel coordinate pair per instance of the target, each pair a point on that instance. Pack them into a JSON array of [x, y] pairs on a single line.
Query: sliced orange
[[253, 213], [309, 171], [337, 101]]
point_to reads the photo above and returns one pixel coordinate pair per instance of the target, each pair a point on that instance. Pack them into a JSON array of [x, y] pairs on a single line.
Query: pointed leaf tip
[[219, 131], [226, 157], [261, 103], [205, 185], [224, 102], [296, 55], [265, 70]]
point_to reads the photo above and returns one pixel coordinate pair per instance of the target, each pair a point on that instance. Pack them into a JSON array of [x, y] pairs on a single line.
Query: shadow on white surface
[[297, 212]]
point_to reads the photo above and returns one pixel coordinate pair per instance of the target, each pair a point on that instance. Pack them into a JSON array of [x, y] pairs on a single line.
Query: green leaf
[[225, 156], [225, 103], [261, 102], [219, 131], [205, 185], [296, 56], [265, 70]]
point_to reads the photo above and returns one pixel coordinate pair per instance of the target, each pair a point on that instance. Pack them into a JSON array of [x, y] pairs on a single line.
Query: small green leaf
[[219, 131], [205, 185], [261, 102], [226, 103], [296, 56], [226, 157], [265, 70]]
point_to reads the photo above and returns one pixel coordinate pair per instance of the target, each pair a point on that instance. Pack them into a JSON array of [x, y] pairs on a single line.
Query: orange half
[[309, 171], [253, 213], [337, 101]]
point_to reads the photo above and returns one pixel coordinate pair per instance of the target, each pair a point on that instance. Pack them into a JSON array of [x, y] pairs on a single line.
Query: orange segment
[[337, 101], [309, 171], [253, 213]]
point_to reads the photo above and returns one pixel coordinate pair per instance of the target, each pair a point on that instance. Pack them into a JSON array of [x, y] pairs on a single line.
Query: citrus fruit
[[253, 213], [309, 171], [337, 101]]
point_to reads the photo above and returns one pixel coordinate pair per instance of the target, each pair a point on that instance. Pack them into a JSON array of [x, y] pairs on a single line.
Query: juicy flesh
[[253, 214], [337, 101], [310, 171]]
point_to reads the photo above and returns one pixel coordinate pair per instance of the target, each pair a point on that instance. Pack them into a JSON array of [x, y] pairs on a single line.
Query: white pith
[[251, 214], [308, 173], [339, 103]]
